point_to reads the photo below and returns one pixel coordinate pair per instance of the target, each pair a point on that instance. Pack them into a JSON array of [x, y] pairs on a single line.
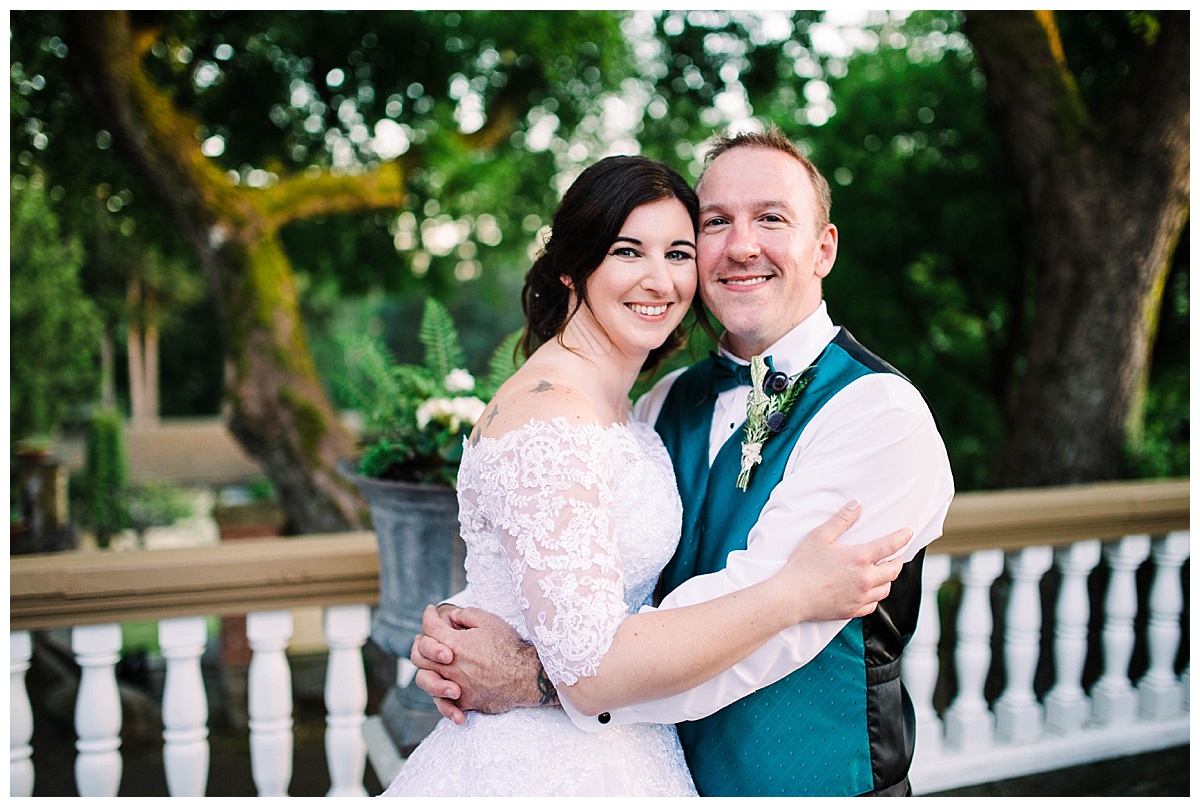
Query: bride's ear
[[566, 281]]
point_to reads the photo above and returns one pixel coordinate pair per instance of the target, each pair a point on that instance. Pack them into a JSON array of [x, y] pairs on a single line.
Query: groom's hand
[[472, 660]]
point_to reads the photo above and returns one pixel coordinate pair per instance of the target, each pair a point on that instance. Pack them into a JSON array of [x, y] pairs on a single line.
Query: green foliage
[[1163, 446], [415, 416], [440, 338], [931, 269], [104, 488], [157, 505], [932, 272], [261, 489], [54, 330], [502, 363], [103, 499]]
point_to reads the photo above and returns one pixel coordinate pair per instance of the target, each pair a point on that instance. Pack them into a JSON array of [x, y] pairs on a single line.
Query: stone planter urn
[[420, 562]]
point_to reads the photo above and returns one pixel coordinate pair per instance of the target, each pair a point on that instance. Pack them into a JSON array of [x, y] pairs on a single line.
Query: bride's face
[[641, 290]]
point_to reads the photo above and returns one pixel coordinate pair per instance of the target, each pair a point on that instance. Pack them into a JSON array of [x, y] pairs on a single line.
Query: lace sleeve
[[557, 534]]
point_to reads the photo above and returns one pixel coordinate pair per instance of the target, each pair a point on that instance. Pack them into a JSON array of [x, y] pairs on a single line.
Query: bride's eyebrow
[[682, 242]]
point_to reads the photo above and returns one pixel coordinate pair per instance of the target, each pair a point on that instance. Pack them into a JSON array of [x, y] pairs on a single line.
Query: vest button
[[604, 717]]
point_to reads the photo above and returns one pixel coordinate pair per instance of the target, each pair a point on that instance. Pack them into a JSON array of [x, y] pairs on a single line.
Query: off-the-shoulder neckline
[[560, 422]]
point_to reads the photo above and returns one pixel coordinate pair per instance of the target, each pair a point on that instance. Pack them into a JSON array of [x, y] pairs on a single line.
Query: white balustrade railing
[[1016, 735], [98, 765], [347, 629], [20, 716], [1089, 708], [97, 649], [185, 706]]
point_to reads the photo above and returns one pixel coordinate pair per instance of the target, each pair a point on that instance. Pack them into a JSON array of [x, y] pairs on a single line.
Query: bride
[[569, 510]]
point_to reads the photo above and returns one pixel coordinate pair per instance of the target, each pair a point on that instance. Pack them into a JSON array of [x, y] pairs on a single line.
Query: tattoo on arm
[[548, 695], [477, 432], [543, 386]]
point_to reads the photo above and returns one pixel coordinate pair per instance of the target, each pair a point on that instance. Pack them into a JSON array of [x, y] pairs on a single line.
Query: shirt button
[[604, 717]]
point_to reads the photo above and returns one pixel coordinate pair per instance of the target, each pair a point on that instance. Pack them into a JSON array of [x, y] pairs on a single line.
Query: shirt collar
[[799, 347]]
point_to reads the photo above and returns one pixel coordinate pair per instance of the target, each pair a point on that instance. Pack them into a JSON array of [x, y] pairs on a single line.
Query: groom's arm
[[471, 660], [880, 447]]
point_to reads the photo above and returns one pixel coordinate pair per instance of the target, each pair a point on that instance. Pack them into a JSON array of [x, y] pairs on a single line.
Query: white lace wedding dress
[[567, 528]]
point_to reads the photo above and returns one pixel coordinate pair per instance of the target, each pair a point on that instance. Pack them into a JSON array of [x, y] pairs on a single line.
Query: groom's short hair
[[775, 139]]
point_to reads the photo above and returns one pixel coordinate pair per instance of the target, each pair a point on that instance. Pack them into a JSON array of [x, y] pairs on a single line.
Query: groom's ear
[[826, 251]]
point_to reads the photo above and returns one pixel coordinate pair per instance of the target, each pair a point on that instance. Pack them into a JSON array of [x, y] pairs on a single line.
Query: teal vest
[[815, 732]]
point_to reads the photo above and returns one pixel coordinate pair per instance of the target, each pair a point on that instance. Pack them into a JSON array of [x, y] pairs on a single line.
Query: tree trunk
[[150, 355], [134, 357], [1107, 199], [274, 402], [108, 367]]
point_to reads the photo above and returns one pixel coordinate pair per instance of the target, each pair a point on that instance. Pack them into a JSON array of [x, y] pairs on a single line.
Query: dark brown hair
[[588, 221]]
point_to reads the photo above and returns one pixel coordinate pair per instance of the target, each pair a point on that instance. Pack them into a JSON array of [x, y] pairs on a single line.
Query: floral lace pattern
[[567, 528]]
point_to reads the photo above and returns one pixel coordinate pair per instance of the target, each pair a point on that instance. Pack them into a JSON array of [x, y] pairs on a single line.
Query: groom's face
[[760, 254]]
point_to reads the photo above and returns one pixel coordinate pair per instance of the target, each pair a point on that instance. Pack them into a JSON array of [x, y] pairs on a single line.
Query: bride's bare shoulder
[[533, 396]]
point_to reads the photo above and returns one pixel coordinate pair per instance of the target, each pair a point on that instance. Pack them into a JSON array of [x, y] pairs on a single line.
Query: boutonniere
[[772, 395]]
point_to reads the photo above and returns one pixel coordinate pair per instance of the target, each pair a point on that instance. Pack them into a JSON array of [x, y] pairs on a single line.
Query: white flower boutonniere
[[772, 395]]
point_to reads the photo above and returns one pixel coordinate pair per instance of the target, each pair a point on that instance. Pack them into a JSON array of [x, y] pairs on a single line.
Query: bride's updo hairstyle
[[585, 227]]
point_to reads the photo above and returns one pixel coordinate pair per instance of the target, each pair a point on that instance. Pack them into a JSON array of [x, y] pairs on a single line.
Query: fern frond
[[370, 379], [503, 363], [440, 338]]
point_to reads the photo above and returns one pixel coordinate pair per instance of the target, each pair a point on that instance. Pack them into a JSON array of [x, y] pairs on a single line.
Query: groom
[[820, 709]]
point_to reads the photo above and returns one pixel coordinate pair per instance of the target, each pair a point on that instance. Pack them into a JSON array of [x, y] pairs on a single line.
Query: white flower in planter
[[452, 412], [459, 380]]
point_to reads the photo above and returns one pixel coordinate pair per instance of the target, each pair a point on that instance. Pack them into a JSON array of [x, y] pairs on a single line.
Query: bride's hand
[[828, 581]]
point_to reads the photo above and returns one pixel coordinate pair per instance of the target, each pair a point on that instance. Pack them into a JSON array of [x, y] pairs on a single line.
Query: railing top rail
[[1054, 516], [78, 588]]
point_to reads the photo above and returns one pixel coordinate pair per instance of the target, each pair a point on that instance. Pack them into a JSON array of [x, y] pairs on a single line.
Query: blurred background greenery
[[147, 149]]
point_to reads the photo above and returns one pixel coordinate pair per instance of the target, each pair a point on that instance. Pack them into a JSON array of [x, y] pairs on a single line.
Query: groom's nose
[[742, 245]]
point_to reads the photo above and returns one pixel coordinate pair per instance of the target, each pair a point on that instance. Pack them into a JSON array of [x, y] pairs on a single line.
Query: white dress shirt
[[874, 441]]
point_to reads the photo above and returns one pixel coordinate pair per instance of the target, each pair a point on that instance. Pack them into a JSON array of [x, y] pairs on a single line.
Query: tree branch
[[304, 196], [106, 55], [501, 121]]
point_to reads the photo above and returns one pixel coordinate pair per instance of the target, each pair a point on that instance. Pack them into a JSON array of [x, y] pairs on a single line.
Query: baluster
[[346, 630], [968, 722], [919, 664], [97, 710], [185, 706], [1018, 713], [1113, 699], [1066, 703], [1159, 690], [269, 696], [20, 716]]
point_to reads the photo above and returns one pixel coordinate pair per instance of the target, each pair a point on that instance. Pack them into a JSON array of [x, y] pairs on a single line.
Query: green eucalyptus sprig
[[772, 395]]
